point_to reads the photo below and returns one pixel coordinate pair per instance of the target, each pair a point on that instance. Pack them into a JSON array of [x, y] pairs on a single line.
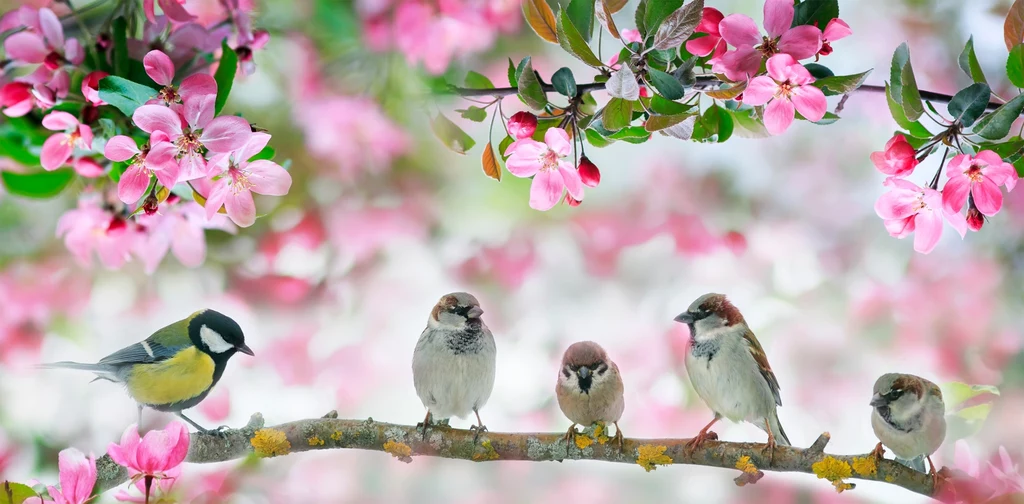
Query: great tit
[[176, 367]]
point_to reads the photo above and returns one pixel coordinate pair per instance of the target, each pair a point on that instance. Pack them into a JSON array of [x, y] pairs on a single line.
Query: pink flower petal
[[198, 110], [84, 141], [801, 42], [954, 193], [572, 180], [59, 121], [957, 220], [928, 230], [546, 190], [778, 115], [897, 204], [133, 184], [836, 29], [778, 16], [987, 196], [77, 475], [558, 141], [159, 67], [26, 46], [256, 143], [740, 63], [56, 151], [710, 17], [197, 85], [810, 102], [225, 134], [192, 166], [74, 52], [240, 207], [215, 196], [120, 148], [702, 46], [175, 11], [151, 118], [760, 90], [52, 30], [124, 452], [524, 160], [782, 68], [189, 245], [739, 30], [269, 178]]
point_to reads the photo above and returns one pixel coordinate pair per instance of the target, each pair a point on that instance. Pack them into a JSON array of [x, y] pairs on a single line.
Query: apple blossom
[[60, 146], [155, 454], [589, 174], [44, 43], [981, 176], [712, 44], [92, 227], [237, 178], [898, 159], [155, 158], [786, 86], [835, 30], [751, 48], [77, 477], [908, 208], [543, 161]]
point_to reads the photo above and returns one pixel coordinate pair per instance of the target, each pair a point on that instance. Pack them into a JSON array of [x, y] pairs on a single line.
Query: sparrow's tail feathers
[[781, 438], [103, 371], [916, 463]]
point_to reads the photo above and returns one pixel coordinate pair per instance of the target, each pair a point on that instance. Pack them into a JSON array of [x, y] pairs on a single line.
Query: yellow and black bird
[[175, 368]]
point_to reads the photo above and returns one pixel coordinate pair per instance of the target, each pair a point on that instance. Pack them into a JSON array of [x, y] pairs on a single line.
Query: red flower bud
[[589, 173], [975, 219], [573, 202], [150, 205], [522, 125]]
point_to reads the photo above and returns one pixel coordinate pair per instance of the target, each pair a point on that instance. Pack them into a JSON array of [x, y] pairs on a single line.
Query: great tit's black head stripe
[[216, 333], [213, 340]]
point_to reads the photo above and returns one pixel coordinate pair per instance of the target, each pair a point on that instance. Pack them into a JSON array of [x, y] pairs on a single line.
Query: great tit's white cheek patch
[[213, 340]]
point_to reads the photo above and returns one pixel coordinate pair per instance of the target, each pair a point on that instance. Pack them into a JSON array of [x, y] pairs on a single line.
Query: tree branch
[[405, 442]]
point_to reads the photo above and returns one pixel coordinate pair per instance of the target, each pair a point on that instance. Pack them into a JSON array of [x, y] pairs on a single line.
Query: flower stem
[[934, 184]]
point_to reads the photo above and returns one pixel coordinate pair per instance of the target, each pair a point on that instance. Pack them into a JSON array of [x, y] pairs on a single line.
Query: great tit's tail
[[103, 372], [916, 463]]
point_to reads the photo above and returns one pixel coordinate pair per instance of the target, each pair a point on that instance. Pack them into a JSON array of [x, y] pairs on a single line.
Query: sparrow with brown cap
[[589, 389]]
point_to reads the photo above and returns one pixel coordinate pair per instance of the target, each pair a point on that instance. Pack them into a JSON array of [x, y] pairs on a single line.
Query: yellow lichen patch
[[336, 435], [744, 464], [315, 441], [889, 478], [599, 433], [834, 470], [650, 456], [270, 443], [489, 452], [400, 451], [583, 441], [865, 466]]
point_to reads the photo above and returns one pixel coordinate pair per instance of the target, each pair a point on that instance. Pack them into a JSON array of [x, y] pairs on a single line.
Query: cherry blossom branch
[[406, 442]]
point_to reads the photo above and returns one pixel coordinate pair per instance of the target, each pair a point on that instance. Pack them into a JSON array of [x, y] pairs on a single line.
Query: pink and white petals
[[77, 477], [908, 208], [158, 452], [980, 176], [57, 149], [543, 161], [159, 67], [785, 90]]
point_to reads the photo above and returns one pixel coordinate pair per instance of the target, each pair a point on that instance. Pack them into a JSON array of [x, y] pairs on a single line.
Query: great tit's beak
[[684, 318], [474, 312], [877, 400], [245, 349], [584, 372]]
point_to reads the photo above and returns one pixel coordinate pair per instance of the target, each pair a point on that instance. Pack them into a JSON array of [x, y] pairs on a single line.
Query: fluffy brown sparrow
[[589, 389], [729, 370], [453, 364], [909, 418]]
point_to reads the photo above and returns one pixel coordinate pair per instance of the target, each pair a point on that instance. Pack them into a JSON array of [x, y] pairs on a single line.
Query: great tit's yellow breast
[[182, 377]]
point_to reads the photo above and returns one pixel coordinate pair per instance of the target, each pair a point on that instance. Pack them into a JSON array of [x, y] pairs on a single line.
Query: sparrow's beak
[[474, 312], [245, 349], [684, 318], [584, 372], [877, 400]]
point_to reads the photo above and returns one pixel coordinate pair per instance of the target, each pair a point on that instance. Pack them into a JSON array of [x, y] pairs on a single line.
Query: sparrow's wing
[[162, 345], [762, 362]]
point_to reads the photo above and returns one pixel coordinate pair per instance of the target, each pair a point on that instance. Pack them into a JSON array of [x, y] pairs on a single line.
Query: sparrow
[[729, 369], [589, 389], [909, 418], [453, 364]]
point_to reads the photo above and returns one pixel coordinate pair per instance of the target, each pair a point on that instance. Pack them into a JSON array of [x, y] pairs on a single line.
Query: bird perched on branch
[[909, 418], [729, 369], [453, 364], [589, 389], [176, 367]]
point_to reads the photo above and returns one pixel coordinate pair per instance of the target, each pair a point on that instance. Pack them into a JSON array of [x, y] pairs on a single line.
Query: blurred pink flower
[[630, 35], [173, 9], [92, 227], [60, 146], [16, 98], [454, 28], [786, 86], [601, 237], [908, 208], [751, 48], [217, 406], [713, 43], [179, 228], [898, 159], [43, 42], [247, 40], [543, 161], [156, 158], [359, 232], [291, 358], [181, 42], [155, 454], [88, 167], [508, 263], [239, 178], [91, 87], [352, 133], [835, 30], [77, 477], [980, 176]]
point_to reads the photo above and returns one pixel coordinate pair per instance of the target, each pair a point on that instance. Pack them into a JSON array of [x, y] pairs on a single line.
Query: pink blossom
[[160, 68], [980, 176], [543, 161], [713, 43], [91, 87], [77, 477], [181, 42], [751, 48], [351, 133], [509, 263], [16, 98], [898, 159], [155, 454], [43, 42], [91, 227], [48, 87], [785, 87], [630, 35], [217, 406], [60, 146], [87, 167], [233, 187], [156, 158], [908, 208], [179, 228], [453, 29], [162, 485], [247, 40], [522, 125], [218, 135], [173, 9], [835, 30]]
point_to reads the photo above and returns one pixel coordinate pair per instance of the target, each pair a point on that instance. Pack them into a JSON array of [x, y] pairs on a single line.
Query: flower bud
[[522, 125], [975, 219], [150, 205], [573, 202], [589, 173]]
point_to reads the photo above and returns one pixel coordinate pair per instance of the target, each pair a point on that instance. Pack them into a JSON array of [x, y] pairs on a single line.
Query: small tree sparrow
[[589, 389], [729, 370], [453, 364], [909, 418]]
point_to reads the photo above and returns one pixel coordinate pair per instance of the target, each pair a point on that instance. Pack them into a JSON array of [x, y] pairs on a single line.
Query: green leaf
[[678, 26], [618, 113], [969, 103], [116, 170], [225, 76], [503, 146], [119, 29], [900, 58], [451, 135], [667, 107], [530, 89], [665, 84], [1014, 66], [996, 124], [956, 393], [475, 114], [909, 96], [809, 12], [715, 121], [477, 81], [513, 76], [564, 82], [915, 127], [595, 138], [267, 153], [660, 122], [15, 493], [571, 40], [581, 14], [968, 62], [749, 127], [15, 146], [638, 18], [42, 185], [841, 84], [657, 11], [818, 71], [124, 94], [632, 134]]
